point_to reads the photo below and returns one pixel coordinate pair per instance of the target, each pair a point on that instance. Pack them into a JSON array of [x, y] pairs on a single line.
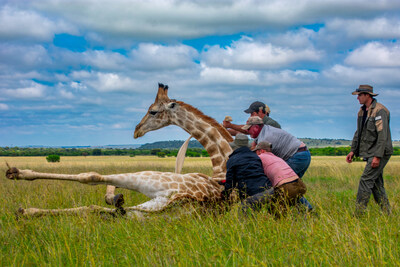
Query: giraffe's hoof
[[121, 211], [19, 213], [12, 173], [119, 200]]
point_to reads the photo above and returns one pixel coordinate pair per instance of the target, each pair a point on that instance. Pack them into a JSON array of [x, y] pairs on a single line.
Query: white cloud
[[381, 27], [229, 76], [109, 82], [24, 57], [249, 54], [375, 54], [27, 24], [288, 77], [3, 106], [160, 19], [104, 60], [47, 107], [345, 75], [33, 90], [155, 57], [66, 94], [302, 38], [78, 86]]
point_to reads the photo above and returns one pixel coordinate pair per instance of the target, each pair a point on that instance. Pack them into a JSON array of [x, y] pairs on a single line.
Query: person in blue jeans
[[284, 145]]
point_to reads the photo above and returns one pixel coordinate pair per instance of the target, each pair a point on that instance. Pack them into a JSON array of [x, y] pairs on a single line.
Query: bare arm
[[236, 127]]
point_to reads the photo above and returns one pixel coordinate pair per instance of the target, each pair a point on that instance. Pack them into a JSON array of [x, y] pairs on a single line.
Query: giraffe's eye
[[153, 112]]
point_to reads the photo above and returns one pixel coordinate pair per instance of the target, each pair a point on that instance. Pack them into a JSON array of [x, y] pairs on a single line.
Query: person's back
[[284, 146], [244, 170], [276, 169]]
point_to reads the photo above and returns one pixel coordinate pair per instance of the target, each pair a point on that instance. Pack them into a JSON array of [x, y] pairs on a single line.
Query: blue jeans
[[300, 162]]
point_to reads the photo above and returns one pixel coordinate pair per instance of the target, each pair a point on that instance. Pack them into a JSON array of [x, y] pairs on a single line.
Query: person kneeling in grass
[[288, 187], [246, 174]]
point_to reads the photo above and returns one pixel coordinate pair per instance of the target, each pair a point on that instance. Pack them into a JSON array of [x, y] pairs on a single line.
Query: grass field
[[334, 237]]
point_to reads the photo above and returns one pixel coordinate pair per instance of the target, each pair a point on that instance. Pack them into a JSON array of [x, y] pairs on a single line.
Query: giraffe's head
[[159, 113]]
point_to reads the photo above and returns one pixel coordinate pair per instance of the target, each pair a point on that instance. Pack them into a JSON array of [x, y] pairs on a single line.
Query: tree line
[[45, 151], [191, 152]]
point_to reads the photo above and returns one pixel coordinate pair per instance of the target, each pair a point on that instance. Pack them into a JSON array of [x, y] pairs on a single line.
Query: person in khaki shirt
[[256, 108], [372, 141]]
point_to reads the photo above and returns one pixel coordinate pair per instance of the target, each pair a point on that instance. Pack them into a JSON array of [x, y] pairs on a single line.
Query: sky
[[84, 72]]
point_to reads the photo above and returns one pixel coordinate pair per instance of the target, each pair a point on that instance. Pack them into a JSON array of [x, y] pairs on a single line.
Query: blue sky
[[84, 72]]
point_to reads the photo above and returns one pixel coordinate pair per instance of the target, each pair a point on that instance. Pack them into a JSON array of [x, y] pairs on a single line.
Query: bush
[[53, 158], [161, 154]]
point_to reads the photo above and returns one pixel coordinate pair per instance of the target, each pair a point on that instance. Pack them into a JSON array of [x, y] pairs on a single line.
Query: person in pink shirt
[[289, 188]]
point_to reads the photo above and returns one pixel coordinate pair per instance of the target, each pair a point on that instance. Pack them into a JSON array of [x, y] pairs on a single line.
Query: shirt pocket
[[370, 133]]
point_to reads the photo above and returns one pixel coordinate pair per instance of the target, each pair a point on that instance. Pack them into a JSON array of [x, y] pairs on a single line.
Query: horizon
[[79, 76], [395, 143]]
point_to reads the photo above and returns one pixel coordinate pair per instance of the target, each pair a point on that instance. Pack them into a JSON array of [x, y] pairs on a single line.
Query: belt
[[301, 149], [294, 181]]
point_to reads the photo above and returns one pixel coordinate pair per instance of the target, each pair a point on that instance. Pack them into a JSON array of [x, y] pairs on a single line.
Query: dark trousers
[[278, 198], [371, 181]]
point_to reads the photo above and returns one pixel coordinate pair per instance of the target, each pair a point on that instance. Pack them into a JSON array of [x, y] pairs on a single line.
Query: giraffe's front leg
[[91, 178], [112, 199]]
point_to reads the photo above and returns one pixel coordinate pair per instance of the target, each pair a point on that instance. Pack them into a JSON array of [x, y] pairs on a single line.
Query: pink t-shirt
[[276, 169]]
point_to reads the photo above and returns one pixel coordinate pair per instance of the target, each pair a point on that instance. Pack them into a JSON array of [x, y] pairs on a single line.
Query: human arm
[[236, 127], [382, 131]]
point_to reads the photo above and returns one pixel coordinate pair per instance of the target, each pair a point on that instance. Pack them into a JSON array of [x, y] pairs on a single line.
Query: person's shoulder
[[269, 121], [381, 108]]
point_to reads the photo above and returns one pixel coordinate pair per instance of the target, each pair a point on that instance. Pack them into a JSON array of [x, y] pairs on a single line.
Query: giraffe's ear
[[172, 105]]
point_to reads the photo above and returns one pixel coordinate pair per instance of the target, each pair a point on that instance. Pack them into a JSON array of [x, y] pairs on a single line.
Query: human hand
[[253, 145], [227, 124], [375, 162], [349, 157]]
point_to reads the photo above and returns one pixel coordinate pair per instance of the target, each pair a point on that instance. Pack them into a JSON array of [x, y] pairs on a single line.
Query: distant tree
[[204, 153], [161, 154], [53, 158], [96, 152], [155, 151]]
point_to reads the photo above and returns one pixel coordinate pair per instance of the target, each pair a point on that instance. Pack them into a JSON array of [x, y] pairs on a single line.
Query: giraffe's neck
[[214, 138]]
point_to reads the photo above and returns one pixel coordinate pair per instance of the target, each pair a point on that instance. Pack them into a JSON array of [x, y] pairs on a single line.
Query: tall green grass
[[334, 237]]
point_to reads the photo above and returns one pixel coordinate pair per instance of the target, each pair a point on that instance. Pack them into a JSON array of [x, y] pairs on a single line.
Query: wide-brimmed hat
[[254, 120], [267, 146], [255, 107], [240, 140], [364, 89]]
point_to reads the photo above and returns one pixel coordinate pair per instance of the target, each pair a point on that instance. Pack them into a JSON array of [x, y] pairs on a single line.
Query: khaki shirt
[[268, 121], [374, 140]]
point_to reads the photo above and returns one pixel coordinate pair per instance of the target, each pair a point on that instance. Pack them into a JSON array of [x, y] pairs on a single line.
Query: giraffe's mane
[[209, 120]]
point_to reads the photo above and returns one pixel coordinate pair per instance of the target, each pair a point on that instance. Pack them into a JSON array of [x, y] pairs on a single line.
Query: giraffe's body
[[164, 188]]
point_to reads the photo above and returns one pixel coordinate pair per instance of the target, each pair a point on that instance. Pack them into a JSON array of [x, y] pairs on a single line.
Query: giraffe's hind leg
[[34, 212]]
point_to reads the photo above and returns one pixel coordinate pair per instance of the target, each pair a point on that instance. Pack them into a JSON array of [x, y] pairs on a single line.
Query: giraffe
[[164, 188], [164, 112]]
